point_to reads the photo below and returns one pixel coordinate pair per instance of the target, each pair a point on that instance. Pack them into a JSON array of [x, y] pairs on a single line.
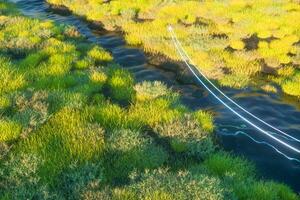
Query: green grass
[[150, 90], [205, 119], [9, 130], [7, 8], [99, 55], [159, 110], [66, 137], [33, 60], [74, 125], [120, 85], [223, 164], [10, 78], [186, 135], [130, 150], [239, 176], [21, 35], [264, 191], [21, 181], [83, 64], [5, 103], [292, 85], [185, 184], [112, 116]]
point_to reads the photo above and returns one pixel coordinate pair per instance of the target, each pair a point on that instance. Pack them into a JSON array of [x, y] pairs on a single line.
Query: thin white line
[[258, 142], [232, 101], [238, 127], [242, 117]]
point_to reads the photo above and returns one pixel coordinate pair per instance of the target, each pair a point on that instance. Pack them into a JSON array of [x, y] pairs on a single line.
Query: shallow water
[[234, 134]]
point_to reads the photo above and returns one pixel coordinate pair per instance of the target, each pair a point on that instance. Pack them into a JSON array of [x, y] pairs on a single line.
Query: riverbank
[[237, 49], [83, 128], [158, 60]]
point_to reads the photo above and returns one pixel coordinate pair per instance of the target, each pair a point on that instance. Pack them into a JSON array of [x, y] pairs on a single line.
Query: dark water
[[234, 134]]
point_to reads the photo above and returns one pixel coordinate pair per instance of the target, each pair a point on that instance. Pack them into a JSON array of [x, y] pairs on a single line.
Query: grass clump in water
[[264, 190], [150, 90], [239, 176], [99, 55]]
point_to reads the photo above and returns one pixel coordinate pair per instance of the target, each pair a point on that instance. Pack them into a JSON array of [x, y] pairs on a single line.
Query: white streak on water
[[259, 142], [185, 58]]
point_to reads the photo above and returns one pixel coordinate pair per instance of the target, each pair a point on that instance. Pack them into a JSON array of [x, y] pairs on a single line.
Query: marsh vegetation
[[237, 43], [75, 125]]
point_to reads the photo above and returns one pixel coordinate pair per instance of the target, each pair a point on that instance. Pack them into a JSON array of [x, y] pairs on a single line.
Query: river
[[232, 133]]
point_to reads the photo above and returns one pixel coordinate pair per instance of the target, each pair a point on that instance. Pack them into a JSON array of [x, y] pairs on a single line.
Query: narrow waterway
[[280, 111]]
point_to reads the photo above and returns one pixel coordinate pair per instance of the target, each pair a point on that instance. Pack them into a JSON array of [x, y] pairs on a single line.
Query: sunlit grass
[[205, 120], [9, 130], [112, 116], [292, 85], [66, 137], [99, 55], [205, 27], [150, 90], [74, 125], [120, 84], [20, 35], [152, 112], [10, 79], [5, 103], [186, 135]]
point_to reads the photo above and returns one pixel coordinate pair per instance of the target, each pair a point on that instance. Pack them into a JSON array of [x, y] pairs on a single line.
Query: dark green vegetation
[[74, 125], [238, 43]]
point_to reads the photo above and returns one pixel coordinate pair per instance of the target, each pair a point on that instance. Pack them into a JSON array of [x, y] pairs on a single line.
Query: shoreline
[[158, 60]]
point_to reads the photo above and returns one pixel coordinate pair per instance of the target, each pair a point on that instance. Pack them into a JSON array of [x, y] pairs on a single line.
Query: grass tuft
[[10, 79], [120, 85], [150, 90], [129, 150], [99, 55], [223, 164], [66, 137], [186, 135], [9, 130]]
